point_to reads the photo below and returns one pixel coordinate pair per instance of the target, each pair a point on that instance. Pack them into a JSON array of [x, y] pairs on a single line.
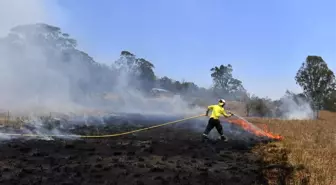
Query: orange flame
[[255, 130]]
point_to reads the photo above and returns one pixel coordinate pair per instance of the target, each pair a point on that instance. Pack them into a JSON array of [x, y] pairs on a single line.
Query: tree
[[126, 63], [189, 87], [256, 106], [330, 102], [183, 87], [224, 83], [45, 34], [166, 83], [139, 71], [146, 73], [316, 79]]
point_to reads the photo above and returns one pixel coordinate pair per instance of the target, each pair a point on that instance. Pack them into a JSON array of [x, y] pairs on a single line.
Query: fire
[[255, 130]]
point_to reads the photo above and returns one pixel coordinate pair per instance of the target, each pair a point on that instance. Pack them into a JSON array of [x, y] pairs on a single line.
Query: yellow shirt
[[217, 111]]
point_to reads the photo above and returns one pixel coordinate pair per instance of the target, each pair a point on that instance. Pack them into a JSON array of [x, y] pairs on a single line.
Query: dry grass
[[309, 147]]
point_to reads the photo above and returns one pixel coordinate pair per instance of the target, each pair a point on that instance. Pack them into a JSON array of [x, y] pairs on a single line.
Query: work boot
[[205, 137], [224, 138]]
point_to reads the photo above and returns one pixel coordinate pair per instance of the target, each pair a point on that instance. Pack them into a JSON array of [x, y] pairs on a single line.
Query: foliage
[[44, 33], [224, 83], [330, 102], [316, 79], [139, 71], [256, 106], [177, 86]]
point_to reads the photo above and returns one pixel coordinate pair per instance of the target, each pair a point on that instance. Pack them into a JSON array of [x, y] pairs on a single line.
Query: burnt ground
[[160, 156], [165, 155]]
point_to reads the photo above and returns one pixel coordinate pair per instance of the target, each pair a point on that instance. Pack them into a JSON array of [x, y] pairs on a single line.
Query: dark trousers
[[214, 123]]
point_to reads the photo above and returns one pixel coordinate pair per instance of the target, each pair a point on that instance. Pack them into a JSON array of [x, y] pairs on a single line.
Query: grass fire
[[261, 132]]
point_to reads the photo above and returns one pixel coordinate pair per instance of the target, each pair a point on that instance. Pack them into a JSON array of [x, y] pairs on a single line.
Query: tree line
[[316, 79]]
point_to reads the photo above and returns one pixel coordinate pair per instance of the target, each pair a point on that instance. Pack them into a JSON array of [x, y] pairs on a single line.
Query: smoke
[[16, 12], [40, 74], [37, 76], [28, 84], [292, 107]]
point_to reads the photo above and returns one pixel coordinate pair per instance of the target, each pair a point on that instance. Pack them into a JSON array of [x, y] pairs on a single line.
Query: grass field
[[308, 151]]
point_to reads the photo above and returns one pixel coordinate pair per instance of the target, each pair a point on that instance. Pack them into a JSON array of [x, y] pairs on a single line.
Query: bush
[[261, 107]]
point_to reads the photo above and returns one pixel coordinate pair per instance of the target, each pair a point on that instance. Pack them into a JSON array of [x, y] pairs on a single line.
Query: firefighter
[[217, 111]]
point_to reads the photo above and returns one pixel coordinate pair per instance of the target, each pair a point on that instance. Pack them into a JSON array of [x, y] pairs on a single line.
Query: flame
[[261, 132]]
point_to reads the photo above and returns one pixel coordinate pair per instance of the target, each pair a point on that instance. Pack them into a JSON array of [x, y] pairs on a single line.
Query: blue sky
[[265, 41]]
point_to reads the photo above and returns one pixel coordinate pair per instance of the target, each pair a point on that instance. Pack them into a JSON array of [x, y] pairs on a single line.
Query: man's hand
[[231, 114], [207, 112]]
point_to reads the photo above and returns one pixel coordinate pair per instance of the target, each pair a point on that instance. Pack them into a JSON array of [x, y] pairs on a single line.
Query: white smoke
[[297, 108], [24, 73], [35, 82], [16, 12]]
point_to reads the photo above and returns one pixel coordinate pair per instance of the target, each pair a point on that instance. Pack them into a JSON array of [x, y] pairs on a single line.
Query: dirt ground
[[159, 156]]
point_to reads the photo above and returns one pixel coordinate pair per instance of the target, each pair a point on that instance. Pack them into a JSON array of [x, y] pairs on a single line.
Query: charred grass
[[307, 155]]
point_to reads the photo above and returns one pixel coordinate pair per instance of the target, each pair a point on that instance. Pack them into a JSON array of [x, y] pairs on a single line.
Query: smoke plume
[[43, 75], [292, 107]]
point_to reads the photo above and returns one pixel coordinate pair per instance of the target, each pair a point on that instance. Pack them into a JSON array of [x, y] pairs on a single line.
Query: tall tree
[[44, 34], [166, 83], [224, 82], [316, 79], [139, 71], [126, 62], [330, 102], [146, 74]]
